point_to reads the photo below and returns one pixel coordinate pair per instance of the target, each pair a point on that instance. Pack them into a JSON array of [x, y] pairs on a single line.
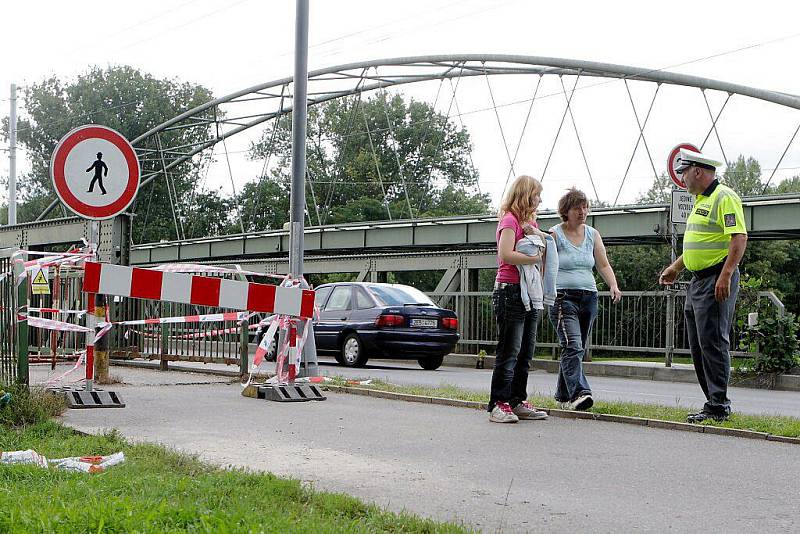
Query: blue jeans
[[572, 317], [516, 341]]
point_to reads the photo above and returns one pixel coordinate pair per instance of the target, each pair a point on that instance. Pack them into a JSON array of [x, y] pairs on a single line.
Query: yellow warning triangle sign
[[39, 279]]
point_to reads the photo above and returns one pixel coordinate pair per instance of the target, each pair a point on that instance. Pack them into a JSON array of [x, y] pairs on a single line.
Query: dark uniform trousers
[[708, 327]]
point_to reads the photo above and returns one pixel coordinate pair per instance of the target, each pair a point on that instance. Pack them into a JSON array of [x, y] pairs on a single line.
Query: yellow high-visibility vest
[[716, 216]]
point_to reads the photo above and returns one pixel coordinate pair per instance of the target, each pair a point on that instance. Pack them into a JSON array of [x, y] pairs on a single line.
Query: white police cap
[[690, 157]]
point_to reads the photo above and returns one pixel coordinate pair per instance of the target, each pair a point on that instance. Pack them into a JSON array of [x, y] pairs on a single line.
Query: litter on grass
[[81, 464]]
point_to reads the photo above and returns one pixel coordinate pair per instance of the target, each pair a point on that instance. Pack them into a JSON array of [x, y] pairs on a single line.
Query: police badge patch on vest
[[730, 219], [701, 212]]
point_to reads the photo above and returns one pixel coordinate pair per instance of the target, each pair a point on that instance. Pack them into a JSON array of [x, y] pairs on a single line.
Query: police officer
[[713, 246]]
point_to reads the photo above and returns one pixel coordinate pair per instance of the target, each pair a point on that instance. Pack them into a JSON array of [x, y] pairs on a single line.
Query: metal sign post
[[95, 173], [680, 207]]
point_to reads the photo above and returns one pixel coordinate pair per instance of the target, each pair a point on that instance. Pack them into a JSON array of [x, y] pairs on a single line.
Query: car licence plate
[[424, 323]]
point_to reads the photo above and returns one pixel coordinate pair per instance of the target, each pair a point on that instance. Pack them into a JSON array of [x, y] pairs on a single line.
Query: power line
[[179, 26]]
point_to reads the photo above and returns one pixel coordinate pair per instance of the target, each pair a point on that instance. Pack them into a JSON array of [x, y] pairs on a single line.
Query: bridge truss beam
[[232, 114]]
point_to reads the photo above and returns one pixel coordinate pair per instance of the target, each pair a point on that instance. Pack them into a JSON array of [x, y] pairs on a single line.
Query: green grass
[[158, 490], [772, 424]]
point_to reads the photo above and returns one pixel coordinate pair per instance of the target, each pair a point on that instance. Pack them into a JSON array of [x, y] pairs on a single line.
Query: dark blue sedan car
[[362, 320]]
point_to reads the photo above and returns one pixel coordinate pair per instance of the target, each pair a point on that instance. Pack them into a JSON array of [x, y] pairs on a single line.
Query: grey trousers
[[708, 327]]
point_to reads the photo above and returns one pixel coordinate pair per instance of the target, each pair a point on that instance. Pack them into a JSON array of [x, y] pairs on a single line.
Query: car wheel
[[353, 352], [432, 363]]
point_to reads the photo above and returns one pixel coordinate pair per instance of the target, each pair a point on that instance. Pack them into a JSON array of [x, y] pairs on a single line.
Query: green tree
[[660, 191], [744, 176], [790, 185], [637, 267], [129, 101], [371, 159]]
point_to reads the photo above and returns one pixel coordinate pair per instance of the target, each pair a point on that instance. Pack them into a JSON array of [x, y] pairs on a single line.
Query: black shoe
[[705, 416], [582, 403]]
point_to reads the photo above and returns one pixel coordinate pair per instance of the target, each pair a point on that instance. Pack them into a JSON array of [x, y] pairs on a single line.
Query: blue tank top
[[575, 263]]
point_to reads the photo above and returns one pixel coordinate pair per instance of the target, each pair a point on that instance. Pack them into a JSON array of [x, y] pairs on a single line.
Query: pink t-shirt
[[505, 271]]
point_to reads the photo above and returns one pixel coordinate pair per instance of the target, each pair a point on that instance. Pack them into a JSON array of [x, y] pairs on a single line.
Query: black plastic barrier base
[[291, 393], [98, 398]]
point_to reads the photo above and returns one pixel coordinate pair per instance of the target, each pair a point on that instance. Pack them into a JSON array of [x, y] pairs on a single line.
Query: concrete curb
[[566, 414]]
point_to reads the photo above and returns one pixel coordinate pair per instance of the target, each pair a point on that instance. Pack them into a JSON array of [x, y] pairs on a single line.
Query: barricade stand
[[289, 303], [291, 391]]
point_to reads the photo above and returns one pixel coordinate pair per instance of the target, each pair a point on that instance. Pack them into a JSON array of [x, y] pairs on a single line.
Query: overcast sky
[[227, 45]]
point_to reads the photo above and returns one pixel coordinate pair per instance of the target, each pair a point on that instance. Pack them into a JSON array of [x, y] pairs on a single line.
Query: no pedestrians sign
[[672, 163], [95, 172]]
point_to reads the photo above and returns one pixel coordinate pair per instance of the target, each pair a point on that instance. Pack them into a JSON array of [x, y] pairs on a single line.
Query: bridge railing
[[646, 323], [642, 323]]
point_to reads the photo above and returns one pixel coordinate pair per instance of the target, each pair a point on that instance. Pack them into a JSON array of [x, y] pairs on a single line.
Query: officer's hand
[[668, 277], [722, 289]]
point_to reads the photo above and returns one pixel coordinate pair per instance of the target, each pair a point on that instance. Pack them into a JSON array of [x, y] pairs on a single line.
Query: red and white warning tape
[[291, 349], [48, 260], [61, 326], [206, 318], [191, 335], [78, 363], [79, 313]]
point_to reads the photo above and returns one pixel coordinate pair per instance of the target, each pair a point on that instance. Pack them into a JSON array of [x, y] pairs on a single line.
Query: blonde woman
[[516, 327]]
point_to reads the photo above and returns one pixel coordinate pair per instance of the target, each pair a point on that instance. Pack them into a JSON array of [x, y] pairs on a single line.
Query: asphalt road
[[450, 463]]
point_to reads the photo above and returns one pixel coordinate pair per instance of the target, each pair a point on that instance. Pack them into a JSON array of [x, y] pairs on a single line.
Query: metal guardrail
[[643, 322]]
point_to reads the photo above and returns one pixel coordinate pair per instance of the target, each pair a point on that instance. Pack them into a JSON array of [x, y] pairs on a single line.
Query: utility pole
[[12, 158], [308, 365], [299, 117]]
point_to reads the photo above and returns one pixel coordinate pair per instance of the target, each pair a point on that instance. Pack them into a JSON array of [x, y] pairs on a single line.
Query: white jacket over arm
[[530, 276]]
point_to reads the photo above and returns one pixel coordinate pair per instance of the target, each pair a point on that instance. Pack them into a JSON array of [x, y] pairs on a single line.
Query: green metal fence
[[13, 335], [643, 322]]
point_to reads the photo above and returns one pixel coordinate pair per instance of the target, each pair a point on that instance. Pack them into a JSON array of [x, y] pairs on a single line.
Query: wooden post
[[102, 345]]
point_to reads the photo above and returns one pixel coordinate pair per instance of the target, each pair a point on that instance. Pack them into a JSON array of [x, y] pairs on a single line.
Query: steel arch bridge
[[161, 150]]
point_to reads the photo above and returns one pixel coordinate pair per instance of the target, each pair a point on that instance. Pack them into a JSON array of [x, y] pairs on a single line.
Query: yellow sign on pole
[[40, 285]]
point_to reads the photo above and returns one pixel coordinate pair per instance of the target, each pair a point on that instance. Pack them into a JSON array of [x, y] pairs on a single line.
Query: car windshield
[[400, 295]]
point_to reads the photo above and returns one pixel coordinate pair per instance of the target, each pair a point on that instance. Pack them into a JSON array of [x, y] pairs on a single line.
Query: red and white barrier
[[134, 282]]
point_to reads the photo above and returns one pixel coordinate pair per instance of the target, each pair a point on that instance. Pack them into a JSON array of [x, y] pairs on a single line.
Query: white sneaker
[[502, 413], [584, 402], [564, 405], [526, 410]]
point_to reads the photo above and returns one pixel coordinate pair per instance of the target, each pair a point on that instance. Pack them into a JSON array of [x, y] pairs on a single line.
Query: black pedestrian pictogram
[[99, 167]]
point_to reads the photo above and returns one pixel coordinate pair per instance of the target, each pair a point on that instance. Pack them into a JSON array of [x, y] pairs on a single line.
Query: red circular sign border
[[67, 143], [675, 179]]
